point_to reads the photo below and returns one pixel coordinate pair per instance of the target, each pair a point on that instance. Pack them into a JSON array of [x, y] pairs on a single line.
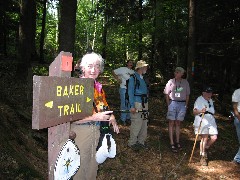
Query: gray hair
[[92, 55]]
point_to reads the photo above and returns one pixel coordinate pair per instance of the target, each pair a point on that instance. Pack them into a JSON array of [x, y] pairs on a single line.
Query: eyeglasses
[[209, 105]]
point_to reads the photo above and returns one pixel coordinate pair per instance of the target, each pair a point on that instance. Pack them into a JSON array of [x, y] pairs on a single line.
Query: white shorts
[[208, 125]]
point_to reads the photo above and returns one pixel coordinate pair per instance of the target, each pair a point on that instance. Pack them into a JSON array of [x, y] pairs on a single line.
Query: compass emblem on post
[[68, 161]]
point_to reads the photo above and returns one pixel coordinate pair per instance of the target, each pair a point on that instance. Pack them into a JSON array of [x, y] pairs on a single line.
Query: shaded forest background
[[201, 36]]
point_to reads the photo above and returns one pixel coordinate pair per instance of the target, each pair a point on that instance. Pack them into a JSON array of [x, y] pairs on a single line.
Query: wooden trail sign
[[59, 99]]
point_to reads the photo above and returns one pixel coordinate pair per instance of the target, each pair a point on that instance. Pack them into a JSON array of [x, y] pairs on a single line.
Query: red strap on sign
[[66, 63]]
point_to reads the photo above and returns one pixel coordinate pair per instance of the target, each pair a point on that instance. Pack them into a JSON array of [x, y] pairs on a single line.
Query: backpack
[[136, 85]]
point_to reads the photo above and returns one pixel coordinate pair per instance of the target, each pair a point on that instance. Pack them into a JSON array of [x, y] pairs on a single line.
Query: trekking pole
[[196, 138], [128, 111]]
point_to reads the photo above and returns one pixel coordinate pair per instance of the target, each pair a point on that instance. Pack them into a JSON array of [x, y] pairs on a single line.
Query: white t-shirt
[[236, 98], [199, 104], [124, 74]]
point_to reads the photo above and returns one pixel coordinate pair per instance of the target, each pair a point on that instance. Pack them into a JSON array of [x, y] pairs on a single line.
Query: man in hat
[[204, 122], [122, 74], [138, 99], [176, 92]]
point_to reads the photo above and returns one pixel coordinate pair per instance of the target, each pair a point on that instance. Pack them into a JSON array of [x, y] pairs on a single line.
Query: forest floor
[[23, 151]]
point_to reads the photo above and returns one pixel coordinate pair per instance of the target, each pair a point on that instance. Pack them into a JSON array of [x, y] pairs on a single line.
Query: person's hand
[[203, 110], [102, 116], [133, 110], [119, 80], [114, 124]]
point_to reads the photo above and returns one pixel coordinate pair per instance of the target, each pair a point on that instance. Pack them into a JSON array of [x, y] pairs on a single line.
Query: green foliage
[[217, 22], [108, 73], [40, 70]]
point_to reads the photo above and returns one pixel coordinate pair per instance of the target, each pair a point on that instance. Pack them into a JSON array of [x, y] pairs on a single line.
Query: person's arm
[[101, 116], [116, 77], [197, 108], [197, 112], [188, 93], [187, 100], [167, 91], [131, 89], [235, 110], [167, 99], [114, 124]]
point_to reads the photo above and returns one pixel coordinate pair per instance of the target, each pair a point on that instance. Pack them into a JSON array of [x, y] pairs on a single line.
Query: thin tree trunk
[[191, 41], [67, 24], [140, 35], [158, 39], [43, 31], [104, 34], [27, 30], [3, 35]]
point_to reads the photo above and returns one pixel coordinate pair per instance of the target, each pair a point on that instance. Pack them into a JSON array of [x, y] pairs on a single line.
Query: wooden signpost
[[59, 99]]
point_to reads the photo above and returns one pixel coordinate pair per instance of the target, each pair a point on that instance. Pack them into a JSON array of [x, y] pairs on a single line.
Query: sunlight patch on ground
[[220, 168]]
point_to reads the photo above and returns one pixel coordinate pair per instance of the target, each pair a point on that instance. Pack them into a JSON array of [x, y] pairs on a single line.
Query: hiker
[[176, 92], [236, 112], [122, 74], [138, 99], [87, 129], [204, 122]]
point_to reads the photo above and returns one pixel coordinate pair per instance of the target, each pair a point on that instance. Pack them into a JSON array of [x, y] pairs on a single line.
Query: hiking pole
[[196, 138], [128, 111]]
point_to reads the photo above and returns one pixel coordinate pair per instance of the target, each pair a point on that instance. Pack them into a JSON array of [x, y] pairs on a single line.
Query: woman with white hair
[[88, 129]]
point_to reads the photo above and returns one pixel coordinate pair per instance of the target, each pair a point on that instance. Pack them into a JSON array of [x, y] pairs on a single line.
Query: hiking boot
[[178, 146], [203, 161], [134, 147], [143, 146], [206, 154], [173, 148]]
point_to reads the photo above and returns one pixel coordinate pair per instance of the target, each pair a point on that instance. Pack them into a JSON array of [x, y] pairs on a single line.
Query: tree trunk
[[27, 30], [41, 54], [158, 39], [140, 35], [191, 42], [3, 35], [67, 25], [104, 33]]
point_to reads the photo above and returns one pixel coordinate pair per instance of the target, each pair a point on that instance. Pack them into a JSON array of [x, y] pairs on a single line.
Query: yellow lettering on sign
[[71, 90], [59, 90], [65, 91], [78, 109], [65, 111], [76, 90], [60, 110], [72, 109], [81, 89], [69, 109]]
